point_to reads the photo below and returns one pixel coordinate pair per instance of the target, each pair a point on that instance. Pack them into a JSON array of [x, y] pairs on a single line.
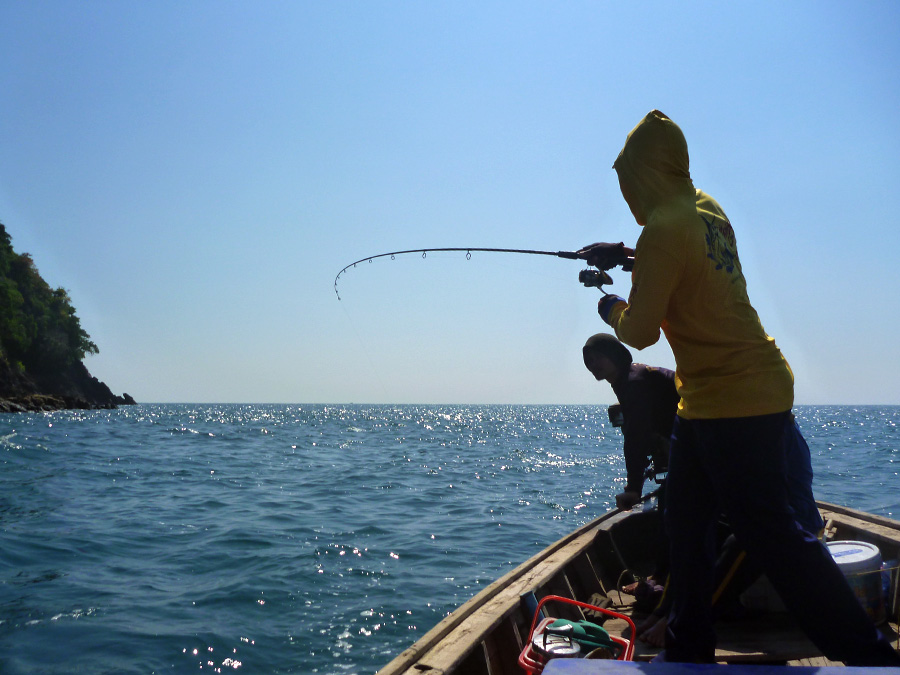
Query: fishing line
[[365, 350], [568, 255]]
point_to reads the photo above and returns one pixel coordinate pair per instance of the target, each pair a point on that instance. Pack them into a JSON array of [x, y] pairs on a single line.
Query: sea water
[[310, 538]]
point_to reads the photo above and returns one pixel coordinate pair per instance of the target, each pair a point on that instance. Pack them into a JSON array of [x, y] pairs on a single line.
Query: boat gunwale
[[856, 513], [449, 623]]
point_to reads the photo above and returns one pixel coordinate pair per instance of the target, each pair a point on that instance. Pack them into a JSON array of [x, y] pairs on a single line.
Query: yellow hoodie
[[687, 280]]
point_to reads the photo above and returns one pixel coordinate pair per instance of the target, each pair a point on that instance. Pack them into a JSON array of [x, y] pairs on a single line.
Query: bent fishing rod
[[586, 277]]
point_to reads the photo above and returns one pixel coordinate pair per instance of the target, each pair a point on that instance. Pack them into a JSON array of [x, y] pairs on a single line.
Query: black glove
[[604, 256], [607, 302]]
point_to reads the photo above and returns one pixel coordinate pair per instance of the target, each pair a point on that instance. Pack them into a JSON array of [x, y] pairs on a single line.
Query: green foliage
[[38, 326]]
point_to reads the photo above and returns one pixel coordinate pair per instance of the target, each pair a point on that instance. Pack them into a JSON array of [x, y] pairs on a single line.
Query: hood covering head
[[610, 347], [653, 167]]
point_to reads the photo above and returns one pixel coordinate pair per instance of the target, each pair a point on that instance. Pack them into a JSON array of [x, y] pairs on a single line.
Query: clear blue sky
[[195, 174]]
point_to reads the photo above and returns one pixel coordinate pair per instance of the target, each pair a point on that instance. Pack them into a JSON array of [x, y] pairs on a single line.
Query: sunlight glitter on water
[[158, 537]]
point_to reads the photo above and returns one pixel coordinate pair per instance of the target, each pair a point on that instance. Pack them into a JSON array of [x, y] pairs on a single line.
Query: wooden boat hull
[[487, 633]]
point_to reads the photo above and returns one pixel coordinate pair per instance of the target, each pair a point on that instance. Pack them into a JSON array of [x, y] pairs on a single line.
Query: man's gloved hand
[[627, 499], [604, 256], [607, 302]]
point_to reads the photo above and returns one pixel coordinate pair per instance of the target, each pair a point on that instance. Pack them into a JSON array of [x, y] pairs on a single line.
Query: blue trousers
[[738, 466]]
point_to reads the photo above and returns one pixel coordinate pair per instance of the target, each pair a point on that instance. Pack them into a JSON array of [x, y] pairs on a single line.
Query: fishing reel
[[594, 278], [616, 416]]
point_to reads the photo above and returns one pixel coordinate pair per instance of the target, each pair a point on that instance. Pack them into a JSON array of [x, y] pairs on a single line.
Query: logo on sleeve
[[721, 246]]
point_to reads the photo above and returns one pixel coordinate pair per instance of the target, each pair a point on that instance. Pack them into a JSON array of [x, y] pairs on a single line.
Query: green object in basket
[[588, 635]]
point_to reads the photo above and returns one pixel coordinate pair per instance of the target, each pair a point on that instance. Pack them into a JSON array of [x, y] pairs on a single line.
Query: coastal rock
[[74, 388], [7, 406]]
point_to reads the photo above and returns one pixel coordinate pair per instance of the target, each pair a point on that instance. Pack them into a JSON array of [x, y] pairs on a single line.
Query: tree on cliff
[[39, 331]]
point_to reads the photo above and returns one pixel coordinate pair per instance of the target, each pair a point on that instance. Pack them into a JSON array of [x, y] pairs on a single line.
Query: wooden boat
[[486, 635]]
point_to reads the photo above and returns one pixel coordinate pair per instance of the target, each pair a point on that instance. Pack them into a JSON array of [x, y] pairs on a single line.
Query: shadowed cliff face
[[71, 388]]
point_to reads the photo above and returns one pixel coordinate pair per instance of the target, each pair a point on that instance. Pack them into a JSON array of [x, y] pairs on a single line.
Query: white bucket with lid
[[860, 562]]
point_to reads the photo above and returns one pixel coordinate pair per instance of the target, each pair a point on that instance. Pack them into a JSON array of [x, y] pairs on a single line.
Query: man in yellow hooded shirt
[[736, 392]]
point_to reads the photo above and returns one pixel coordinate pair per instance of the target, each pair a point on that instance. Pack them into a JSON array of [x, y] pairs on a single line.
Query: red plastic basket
[[533, 662]]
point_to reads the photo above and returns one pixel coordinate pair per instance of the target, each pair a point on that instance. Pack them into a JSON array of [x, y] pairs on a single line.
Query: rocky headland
[[42, 343]]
